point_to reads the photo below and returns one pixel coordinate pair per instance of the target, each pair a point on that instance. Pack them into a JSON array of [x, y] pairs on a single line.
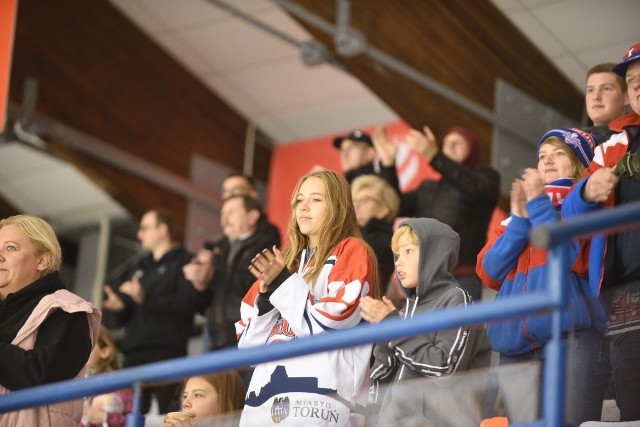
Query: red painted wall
[[7, 25], [291, 161]]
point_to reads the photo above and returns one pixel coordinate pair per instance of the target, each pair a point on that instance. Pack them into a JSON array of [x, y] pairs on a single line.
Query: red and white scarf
[[558, 190]]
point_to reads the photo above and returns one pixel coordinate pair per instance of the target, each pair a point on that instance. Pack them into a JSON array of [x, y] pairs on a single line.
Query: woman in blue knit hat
[[512, 266]]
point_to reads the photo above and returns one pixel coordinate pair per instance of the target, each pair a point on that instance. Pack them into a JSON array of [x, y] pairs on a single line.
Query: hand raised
[[385, 149], [266, 266], [200, 270], [532, 183], [518, 199], [423, 143], [113, 301], [134, 289]]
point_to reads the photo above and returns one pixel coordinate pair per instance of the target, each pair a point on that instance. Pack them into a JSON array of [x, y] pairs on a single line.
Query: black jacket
[[464, 199], [601, 133], [62, 346], [622, 259], [388, 174], [165, 318], [378, 235], [232, 280]]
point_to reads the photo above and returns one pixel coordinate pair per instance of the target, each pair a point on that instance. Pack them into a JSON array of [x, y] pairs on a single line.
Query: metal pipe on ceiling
[[343, 13], [401, 68], [312, 52], [98, 149], [256, 22], [249, 148]]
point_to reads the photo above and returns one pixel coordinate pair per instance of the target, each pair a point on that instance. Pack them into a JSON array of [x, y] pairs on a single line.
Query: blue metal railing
[[555, 237]]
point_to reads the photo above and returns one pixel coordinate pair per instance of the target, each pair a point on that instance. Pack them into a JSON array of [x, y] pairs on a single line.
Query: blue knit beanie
[[582, 143]]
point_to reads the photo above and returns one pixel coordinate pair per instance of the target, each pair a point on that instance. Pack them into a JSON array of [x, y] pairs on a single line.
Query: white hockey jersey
[[323, 389]]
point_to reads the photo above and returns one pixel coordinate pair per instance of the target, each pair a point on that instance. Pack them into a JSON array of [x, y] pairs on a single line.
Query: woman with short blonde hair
[[47, 331], [376, 204], [42, 236]]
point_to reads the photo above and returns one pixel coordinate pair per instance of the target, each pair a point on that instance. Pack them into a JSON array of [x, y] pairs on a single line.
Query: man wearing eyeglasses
[[155, 304]]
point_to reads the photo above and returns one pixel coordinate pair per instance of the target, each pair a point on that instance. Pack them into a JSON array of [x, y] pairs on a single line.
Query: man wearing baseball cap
[[612, 179], [357, 158]]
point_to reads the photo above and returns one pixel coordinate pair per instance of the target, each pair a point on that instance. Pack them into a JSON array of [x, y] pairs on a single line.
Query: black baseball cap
[[356, 135]]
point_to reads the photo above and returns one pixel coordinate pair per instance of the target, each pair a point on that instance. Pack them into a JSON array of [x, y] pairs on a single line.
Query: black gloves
[[629, 165]]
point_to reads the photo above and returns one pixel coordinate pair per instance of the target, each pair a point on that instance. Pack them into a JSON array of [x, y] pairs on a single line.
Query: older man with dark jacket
[[222, 269], [613, 179]]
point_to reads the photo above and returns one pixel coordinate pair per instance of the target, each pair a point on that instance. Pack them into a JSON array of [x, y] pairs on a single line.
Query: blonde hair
[[339, 223], [230, 389], [556, 142], [382, 191], [42, 237], [403, 232]]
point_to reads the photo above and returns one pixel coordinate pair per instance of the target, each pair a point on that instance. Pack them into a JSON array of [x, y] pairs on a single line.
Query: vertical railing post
[[136, 418], [554, 360]]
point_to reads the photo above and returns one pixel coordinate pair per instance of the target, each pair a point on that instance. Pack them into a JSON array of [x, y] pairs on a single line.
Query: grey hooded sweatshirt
[[450, 401], [439, 353]]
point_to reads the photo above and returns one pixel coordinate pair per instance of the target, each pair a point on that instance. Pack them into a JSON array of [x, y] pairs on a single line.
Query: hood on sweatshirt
[[439, 246]]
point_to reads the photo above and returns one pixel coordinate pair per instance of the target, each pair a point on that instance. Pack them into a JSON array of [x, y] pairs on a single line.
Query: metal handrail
[[232, 358], [558, 236]]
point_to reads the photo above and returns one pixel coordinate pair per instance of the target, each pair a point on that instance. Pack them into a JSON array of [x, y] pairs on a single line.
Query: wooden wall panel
[[464, 45], [100, 74]]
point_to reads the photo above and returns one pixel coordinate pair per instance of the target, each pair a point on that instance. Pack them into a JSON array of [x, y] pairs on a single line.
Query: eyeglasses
[[364, 200]]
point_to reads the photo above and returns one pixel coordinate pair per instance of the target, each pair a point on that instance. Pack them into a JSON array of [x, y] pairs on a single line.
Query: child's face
[[200, 398], [407, 260], [98, 354]]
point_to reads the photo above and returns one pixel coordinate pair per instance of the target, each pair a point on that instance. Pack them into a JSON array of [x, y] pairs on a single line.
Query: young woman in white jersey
[[313, 286]]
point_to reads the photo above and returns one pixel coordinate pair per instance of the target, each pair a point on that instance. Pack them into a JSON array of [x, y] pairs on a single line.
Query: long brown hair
[[339, 223], [110, 363], [230, 389]]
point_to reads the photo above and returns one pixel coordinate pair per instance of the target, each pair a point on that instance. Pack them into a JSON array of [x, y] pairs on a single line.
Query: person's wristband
[[263, 303]]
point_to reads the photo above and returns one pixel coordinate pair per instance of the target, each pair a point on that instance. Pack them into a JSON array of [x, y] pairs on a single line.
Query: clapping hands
[[373, 310], [266, 266]]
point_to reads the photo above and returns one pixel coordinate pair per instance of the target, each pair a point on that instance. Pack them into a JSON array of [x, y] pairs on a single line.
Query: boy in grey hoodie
[[426, 253]]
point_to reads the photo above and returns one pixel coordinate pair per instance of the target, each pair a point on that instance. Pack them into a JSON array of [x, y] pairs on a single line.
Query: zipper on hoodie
[[415, 304]]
